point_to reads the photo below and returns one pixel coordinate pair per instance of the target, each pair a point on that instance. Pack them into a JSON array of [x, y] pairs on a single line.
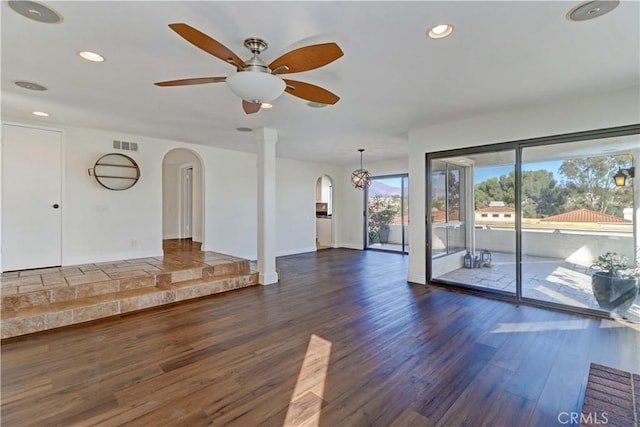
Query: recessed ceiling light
[[35, 11], [91, 56], [29, 85], [591, 9], [243, 129], [316, 104], [40, 113], [266, 105], [440, 31]]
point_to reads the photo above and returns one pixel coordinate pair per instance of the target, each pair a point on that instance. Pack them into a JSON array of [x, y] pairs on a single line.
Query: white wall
[[100, 225], [573, 247], [608, 110], [352, 223], [296, 203]]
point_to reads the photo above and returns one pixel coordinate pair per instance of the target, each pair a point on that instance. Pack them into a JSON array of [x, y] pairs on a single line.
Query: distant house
[[586, 215], [495, 212]]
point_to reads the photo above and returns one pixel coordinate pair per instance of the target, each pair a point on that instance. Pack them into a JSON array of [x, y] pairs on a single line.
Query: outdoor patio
[[545, 279]]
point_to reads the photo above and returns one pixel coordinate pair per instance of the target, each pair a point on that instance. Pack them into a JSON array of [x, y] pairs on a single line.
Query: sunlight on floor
[[541, 326], [306, 401], [558, 297]]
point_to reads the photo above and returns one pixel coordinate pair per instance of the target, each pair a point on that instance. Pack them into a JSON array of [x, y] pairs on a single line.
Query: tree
[[382, 210], [540, 195], [590, 185]]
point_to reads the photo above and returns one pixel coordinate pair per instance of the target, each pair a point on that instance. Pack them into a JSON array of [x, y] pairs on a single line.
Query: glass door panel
[[472, 220], [573, 213], [387, 213]]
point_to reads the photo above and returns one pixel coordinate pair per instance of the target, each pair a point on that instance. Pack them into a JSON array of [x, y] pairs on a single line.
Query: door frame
[[183, 203], [405, 240]]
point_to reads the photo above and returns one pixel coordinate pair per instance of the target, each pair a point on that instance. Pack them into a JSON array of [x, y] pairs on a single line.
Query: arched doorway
[[324, 212], [182, 198]]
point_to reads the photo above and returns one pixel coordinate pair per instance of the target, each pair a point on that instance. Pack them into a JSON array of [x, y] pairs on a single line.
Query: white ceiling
[[392, 78]]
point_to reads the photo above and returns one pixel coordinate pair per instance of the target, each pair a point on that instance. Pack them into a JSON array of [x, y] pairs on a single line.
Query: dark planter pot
[[384, 234], [614, 293]]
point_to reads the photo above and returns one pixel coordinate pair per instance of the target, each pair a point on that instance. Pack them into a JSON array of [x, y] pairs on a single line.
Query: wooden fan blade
[[196, 81], [310, 92], [307, 58], [250, 107], [206, 43]]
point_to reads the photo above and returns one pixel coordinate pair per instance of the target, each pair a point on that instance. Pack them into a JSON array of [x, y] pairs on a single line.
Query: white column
[[417, 212], [266, 140]]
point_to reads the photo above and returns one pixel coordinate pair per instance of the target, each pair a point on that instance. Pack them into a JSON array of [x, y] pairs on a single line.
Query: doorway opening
[[182, 201], [387, 214], [324, 212]]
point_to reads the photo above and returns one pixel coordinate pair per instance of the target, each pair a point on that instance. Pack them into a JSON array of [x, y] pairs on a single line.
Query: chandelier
[[361, 178]]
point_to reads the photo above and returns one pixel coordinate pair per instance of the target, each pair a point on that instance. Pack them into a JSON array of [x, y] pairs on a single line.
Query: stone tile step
[[90, 285], [16, 322]]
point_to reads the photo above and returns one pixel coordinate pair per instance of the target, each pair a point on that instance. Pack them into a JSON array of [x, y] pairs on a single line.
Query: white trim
[[93, 259], [297, 251], [350, 246], [181, 202], [268, 279], [171, 236], [417, 279]]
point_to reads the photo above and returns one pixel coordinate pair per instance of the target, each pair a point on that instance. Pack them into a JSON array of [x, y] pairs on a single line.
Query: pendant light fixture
[[361, 178]]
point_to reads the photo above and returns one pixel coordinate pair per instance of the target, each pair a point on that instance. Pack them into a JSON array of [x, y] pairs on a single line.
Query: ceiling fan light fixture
[[440, 31], [257, 87]]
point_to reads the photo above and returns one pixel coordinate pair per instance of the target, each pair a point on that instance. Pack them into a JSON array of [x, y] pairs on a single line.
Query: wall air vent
[[125, 145]]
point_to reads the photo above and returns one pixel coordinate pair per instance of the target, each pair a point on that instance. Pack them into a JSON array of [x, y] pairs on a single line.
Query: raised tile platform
[[38, 300]]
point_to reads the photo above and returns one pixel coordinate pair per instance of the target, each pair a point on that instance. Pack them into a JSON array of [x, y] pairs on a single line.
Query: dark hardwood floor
[[342, 340]]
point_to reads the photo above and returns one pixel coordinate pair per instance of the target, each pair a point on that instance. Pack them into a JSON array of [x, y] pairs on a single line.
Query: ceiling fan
[[255, 81]]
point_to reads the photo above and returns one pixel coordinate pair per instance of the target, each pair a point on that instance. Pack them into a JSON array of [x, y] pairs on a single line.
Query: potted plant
[[382, 210], [614, 283]]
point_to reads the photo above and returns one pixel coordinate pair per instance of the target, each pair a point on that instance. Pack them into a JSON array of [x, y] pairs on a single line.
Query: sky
[[482, 174]]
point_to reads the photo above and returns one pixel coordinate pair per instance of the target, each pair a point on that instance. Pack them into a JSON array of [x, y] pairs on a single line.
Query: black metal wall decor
[[115, 171]]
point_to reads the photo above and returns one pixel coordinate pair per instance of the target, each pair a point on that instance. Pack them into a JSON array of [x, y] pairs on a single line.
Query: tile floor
[[179, 255], [546, 279]]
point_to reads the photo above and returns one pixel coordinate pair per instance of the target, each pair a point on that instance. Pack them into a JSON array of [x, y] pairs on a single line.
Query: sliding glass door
[[387, 213], [541, 221]]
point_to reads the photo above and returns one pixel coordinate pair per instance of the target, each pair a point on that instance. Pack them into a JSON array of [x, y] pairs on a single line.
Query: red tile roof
[[440, 216], [585, 215]]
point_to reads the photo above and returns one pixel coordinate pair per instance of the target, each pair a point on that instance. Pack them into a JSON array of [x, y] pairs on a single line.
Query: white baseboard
[[297, 251], [93, 259], [170, 236], [268, 278], [417, 278], [351, 246]]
